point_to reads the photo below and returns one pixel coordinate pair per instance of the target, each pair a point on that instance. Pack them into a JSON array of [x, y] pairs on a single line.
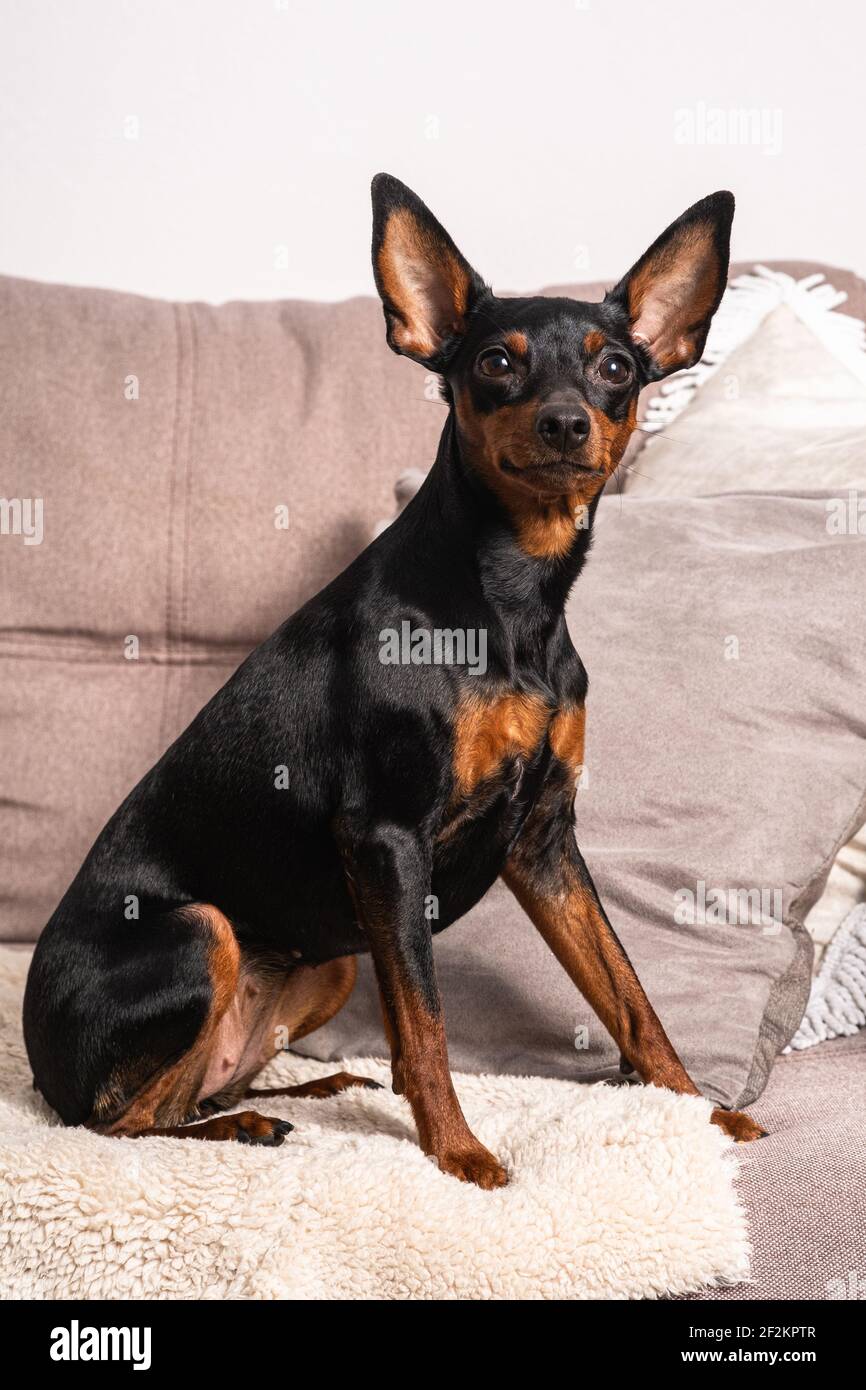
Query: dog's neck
[[461, 526]]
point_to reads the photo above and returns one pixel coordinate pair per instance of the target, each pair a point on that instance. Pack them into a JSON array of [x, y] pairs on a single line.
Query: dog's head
[[545, 390]]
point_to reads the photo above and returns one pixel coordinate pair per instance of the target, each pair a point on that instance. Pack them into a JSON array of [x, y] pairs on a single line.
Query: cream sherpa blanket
[[615, 1192]]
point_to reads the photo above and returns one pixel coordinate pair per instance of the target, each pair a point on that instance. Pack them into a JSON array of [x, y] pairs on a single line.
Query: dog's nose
[[562, 427]]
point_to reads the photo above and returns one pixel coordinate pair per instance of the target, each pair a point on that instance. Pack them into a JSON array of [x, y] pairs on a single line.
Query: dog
[[408, 784]]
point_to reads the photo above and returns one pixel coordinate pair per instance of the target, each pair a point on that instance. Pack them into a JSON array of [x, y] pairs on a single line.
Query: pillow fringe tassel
[[745, 304], [837, 1003]]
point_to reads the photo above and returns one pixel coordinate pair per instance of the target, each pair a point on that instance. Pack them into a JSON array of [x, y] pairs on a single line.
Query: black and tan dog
[[405, 781]]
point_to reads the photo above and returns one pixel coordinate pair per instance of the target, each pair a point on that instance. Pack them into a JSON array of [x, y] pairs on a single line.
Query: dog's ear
[[427, 288], [672, 292]]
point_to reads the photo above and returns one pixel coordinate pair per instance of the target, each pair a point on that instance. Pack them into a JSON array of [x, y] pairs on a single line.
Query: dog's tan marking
[[321, 1088], [486, 732], [613, 435], [516, 343], [670, 296], [425, 283], [547, 531], [567, 732], [545, 525], [594, 342]]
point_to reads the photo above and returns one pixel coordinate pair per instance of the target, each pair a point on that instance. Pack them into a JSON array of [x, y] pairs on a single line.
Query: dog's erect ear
[[670, 296], [426, 286]]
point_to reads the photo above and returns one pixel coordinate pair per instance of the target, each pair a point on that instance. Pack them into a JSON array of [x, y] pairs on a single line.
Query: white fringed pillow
[[777, 404]]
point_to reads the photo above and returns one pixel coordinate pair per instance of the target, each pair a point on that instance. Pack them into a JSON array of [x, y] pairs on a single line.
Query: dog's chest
[[490, 734], [504, 751], [496, 741]]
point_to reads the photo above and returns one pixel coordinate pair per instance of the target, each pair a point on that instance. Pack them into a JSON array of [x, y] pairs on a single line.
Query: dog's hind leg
[[310, 997], [321, 1088], [247, 1127], [167, 1098]]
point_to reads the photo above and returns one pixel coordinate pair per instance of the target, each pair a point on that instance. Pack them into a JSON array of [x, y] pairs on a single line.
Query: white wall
[[544, 135]]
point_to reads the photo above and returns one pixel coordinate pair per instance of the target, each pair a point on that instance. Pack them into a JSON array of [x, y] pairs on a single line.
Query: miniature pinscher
[[406, 783]]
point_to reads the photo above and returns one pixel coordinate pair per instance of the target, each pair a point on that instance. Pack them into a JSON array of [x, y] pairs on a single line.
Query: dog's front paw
[[741, 1127], [473, 1165]]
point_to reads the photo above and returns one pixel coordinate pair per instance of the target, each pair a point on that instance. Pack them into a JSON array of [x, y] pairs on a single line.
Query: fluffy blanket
[[615, 1192]]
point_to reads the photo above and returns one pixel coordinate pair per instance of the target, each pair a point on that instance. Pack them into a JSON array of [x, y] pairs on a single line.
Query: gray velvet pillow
[[726, 765], [784, 411]]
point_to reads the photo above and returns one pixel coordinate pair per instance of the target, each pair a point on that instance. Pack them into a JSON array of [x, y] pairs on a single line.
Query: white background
[[544, 135]]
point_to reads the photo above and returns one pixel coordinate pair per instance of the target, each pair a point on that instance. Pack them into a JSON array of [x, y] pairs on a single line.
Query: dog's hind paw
[[248, 1127], [740, 1127]]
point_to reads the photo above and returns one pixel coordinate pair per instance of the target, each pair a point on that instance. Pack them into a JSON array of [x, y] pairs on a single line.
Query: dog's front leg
[[388, 872], [548, 876]]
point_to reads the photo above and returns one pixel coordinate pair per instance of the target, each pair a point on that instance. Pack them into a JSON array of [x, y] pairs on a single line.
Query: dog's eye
[[494, 362], [615, 370]]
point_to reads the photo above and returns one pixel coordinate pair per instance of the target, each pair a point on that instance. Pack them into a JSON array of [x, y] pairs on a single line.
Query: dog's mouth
[[550, 469]]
